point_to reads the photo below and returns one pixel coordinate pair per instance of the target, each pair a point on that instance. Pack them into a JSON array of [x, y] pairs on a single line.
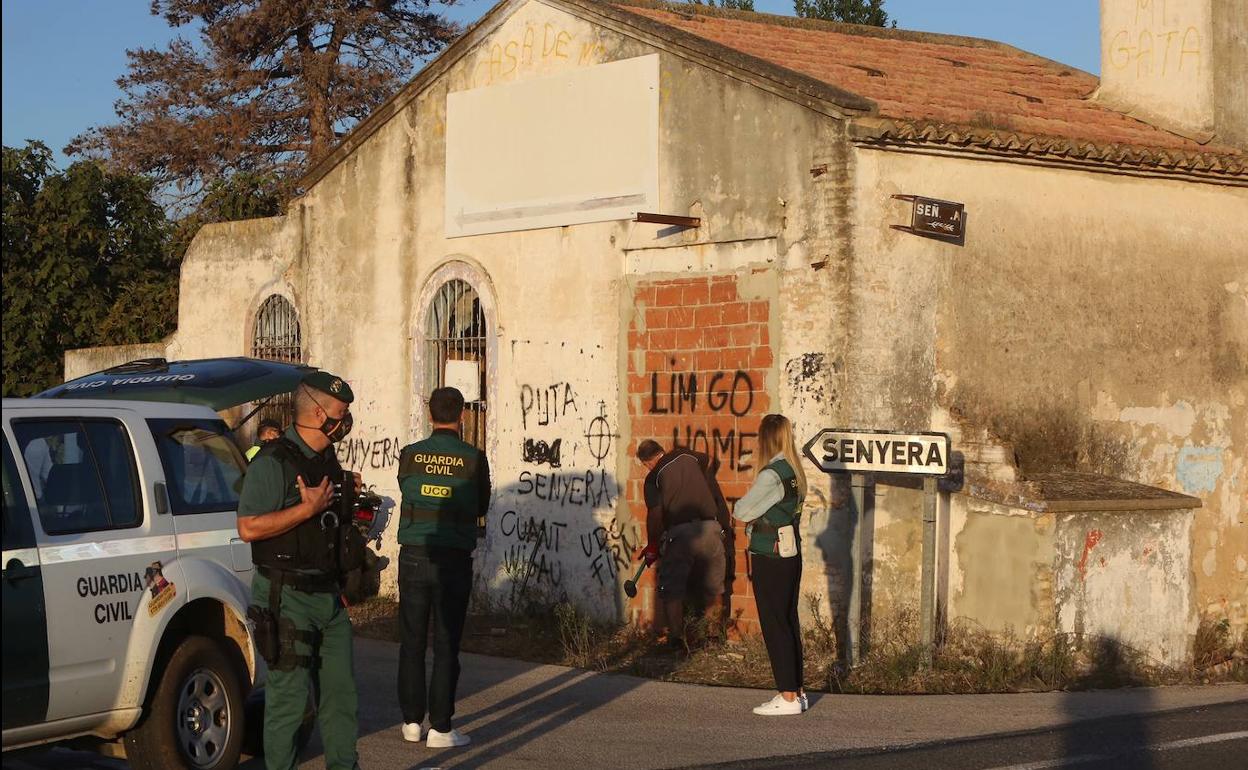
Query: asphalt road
[[1206, 738], [522, 715]]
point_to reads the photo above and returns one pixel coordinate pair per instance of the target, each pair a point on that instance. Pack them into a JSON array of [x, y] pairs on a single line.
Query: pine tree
[[267, 88]]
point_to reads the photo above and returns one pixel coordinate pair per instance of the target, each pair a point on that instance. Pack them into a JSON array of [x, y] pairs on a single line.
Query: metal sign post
[[860, 451], [927, 596], [857, 647]]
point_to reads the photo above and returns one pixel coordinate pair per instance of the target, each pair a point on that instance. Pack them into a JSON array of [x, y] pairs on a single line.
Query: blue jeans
[[433, 586]]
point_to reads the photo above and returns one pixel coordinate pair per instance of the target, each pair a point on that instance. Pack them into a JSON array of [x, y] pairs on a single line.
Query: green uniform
[[763, 537], [446, 485], [270, 486]]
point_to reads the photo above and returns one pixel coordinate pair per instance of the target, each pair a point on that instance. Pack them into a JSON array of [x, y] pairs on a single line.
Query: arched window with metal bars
[[455, 331], [277, 337]]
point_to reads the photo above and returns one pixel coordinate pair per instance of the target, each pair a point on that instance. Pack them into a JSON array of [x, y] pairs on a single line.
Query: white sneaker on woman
[[778, 707], [412, 732], [448, 740]]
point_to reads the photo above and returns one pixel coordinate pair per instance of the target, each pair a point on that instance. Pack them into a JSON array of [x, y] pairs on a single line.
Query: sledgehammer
[[630, 586]]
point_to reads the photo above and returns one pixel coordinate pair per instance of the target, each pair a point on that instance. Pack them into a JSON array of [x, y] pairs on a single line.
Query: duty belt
[[308, 583]]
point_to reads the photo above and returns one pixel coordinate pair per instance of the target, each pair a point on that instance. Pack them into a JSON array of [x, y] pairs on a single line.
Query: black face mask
[[337, 428], [334, 428]]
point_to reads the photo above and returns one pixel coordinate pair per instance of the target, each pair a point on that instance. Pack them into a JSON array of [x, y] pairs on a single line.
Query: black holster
[[264, 629], [276, 636]]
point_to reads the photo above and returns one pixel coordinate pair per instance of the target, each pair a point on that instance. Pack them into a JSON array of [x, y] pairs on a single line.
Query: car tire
[[194, 718]]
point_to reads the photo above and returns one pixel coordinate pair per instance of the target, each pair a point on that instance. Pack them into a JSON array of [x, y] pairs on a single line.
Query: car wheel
[[194, 719]]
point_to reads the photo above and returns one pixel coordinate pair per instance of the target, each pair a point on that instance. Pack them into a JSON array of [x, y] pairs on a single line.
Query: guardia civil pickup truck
[[125, 582]]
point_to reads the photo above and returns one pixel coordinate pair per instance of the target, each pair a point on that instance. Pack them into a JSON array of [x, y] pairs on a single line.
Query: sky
[[61, 58]]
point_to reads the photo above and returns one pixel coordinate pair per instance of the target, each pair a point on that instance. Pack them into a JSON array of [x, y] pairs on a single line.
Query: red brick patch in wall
[[704, 354]]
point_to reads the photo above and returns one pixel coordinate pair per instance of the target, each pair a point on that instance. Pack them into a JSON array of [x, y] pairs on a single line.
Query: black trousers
[[432, 587], [777, 591]]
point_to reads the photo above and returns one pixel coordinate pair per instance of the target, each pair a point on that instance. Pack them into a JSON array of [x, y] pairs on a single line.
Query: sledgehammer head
[[630, 586]]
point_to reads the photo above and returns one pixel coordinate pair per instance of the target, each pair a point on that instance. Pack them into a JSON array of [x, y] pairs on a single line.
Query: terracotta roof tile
[[929, 78]]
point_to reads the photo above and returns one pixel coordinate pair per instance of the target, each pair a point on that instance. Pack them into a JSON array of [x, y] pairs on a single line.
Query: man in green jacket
[[285, 512], [445, 483]]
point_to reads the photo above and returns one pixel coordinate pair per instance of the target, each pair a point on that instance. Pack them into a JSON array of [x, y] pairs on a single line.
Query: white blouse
[[768, 490]]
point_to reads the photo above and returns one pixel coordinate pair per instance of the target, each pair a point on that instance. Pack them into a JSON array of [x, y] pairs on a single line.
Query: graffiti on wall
[[1155, 44], [599, 436], [362, 453], [573, 488], [701, 395], [537, 44], [546, 404], [532, 556], [539, 452], [609, 549], [557, 533]]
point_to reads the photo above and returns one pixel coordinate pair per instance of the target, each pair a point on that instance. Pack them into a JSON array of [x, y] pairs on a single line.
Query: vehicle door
[[101, 548], [25, 617], [203, 474]]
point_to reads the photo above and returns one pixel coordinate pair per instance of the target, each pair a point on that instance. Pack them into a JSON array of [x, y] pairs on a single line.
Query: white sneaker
[[778, 707], [448, 740], [412, 732]]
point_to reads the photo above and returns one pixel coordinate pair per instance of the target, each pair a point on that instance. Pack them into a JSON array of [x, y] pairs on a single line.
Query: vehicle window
[[82, 472], [18, 530], [111, 449], [203, 467]]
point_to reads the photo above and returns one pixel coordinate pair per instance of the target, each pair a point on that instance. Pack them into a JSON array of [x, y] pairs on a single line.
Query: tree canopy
[[869, 12], [735, 5], [266, 89], [85, 262]]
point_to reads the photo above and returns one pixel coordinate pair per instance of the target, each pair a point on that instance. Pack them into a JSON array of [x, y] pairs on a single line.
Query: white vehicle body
[[100, 592]]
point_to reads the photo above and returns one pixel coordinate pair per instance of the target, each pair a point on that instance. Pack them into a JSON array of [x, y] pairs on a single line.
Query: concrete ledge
[[81, 361], [1068, 492]]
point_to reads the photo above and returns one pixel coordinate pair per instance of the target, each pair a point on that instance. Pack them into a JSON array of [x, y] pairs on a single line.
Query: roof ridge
[[876, 130], [822, 25]]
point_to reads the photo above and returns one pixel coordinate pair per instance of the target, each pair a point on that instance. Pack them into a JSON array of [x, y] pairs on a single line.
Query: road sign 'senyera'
[[865, 451]]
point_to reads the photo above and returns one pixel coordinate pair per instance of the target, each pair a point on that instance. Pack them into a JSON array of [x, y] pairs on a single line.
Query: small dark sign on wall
[[934, 218]]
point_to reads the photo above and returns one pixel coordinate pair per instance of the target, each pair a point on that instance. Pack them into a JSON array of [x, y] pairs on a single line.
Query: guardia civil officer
[[297, 543], [269, 430], [446, 486], [772, 509]]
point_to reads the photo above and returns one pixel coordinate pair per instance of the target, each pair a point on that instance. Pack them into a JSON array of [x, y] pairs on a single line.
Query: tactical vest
[[763, 537], [309, 547], [438, 478]]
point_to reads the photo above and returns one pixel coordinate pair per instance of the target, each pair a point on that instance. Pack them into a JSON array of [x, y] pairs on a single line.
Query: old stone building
[[1085, 343]]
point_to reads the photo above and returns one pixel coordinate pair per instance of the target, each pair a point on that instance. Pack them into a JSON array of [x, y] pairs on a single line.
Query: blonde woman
[[771, 509]]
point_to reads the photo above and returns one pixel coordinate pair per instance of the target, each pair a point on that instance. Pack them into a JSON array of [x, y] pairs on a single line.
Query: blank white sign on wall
[[580, 146], [466, 376]]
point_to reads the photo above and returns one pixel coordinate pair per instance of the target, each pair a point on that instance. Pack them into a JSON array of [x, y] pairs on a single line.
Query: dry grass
[[974, 660], [969, 660]]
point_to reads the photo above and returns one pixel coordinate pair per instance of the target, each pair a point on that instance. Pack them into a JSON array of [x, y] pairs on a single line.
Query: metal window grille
[[455, 331], [277, 337]]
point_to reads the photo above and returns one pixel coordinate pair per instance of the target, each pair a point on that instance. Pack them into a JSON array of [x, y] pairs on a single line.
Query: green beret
[[330, 384]]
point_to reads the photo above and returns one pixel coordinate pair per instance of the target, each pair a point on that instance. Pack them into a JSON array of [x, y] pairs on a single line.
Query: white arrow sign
[[863, 451]]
